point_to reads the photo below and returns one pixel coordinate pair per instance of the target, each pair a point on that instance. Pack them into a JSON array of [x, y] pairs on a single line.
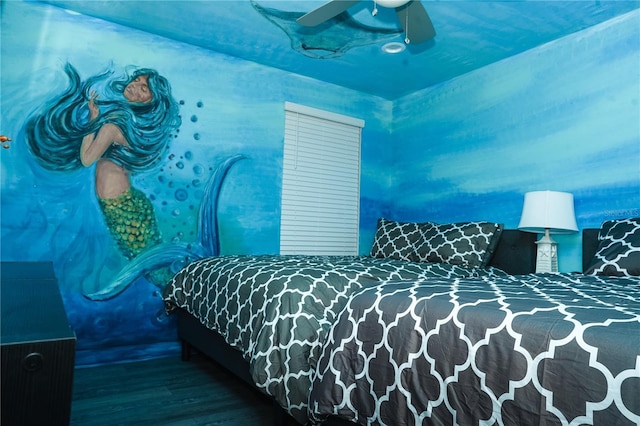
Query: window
[[320, 207]]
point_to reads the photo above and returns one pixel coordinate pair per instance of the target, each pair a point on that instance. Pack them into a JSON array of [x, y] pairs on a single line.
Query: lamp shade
[[548, 210]]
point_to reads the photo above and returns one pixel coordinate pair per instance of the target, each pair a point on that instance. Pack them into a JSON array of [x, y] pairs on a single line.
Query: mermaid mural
[[125, 133], [122, 125]]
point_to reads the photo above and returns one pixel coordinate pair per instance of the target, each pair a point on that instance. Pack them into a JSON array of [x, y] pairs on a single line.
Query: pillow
[[465, 243], [397, 240], [618, 252]]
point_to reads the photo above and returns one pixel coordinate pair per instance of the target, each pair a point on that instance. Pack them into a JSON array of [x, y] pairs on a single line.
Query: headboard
[[516, 252], [589, 246]]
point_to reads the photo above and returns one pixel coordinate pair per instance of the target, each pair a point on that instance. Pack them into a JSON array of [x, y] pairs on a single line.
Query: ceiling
[[347, 50]]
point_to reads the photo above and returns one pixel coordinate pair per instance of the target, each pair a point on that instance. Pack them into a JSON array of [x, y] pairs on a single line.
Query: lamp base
[[547, 254]]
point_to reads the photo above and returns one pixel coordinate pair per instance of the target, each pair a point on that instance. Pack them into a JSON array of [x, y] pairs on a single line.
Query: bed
[[301, 329], [522, 349]]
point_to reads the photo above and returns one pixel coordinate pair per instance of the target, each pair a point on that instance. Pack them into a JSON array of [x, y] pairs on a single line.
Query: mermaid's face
[[138, 90]]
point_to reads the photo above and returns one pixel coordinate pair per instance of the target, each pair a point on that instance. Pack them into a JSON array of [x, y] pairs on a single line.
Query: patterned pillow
[[397, 240], [618, 251], [465, 243]]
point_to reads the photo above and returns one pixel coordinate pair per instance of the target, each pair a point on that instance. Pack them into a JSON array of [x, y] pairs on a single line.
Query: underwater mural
[[92, 150], [124, 130], [331, 39], [201, 151]]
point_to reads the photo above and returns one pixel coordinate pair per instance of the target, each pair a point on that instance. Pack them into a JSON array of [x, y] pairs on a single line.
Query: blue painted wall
[[564, 117], [465, 150], [228, 106]]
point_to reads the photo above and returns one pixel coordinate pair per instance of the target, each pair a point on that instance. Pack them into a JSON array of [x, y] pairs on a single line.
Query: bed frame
[[515, 254]]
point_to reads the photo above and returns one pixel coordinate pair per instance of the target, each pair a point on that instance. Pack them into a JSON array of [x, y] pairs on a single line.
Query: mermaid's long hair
[[56, 130]]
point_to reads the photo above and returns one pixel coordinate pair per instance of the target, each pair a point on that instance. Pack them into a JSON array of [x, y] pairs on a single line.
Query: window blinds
[[320, 182]]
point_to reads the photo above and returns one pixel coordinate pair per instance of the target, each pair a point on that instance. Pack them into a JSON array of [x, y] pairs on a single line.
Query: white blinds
[[320, 182]]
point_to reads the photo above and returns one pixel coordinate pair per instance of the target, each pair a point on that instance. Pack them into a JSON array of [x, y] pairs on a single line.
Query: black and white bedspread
[[546, 349], [277, 310]]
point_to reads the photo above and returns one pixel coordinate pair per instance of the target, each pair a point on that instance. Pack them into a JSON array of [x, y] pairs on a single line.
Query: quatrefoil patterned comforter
[[277, 310], [541, 349]]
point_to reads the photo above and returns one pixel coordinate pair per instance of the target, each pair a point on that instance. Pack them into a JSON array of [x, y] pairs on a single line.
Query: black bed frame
[[515, 254]]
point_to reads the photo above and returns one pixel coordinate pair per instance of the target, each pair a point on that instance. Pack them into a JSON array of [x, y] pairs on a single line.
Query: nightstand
[[37, 346]]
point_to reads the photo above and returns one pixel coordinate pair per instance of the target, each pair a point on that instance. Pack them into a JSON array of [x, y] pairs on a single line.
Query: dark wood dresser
[[37, 345]]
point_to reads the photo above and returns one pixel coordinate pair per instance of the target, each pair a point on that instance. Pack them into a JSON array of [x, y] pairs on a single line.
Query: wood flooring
[[167, 391]]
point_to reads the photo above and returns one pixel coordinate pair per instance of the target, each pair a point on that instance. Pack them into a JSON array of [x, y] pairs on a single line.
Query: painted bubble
[[188, 155], [180, 165], [194, 118], [181, 194], [196, 136], [198, 169], [199, 104]]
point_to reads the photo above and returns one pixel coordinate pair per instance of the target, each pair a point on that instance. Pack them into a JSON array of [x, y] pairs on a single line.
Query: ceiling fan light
[[392, 3], [393, 47]]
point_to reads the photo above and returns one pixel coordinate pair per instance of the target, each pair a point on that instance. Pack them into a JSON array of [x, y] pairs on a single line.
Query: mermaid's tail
[[170, 256], [208, 219], [132, 223]]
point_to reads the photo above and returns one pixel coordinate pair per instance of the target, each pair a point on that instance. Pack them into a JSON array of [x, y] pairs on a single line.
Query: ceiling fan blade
[[416, 22], [325, 12]]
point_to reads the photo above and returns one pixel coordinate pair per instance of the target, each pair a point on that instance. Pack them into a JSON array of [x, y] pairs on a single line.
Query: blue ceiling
[[347, 50]]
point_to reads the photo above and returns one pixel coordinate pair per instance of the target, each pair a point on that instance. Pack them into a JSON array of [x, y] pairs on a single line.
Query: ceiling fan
[[412, 16]]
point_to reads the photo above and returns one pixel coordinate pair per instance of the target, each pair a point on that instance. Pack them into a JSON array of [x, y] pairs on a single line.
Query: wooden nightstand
[[37, 346]]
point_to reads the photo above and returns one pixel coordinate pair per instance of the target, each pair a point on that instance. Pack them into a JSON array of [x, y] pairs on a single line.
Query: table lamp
[[548, 212]]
